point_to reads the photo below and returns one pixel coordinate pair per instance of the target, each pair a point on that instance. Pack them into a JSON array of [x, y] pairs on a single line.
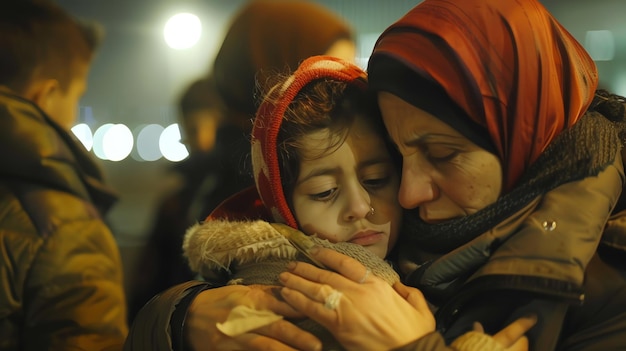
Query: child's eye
[[324, 195], [376, 183]]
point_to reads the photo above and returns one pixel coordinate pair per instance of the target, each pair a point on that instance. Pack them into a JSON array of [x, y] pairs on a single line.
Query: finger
[[317, 275], [280, 335], [514, 331], [314, 291], [269, 298], [412, 296], [313, 309], [477, 327], [340, 263], [520, 345]]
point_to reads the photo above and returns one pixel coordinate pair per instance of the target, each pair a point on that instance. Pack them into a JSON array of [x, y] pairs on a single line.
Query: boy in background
[[60, 268]]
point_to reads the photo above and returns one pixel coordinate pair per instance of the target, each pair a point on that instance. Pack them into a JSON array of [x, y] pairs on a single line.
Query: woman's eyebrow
[[429, 137]]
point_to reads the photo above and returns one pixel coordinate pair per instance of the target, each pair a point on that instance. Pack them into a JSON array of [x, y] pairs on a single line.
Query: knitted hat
[[265, 163]]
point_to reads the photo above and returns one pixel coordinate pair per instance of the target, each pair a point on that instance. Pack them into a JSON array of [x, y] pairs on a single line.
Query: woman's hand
[[213, 306], [363, 311]]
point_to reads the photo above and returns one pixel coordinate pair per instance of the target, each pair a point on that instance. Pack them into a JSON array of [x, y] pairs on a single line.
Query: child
[[60, 269], [322, 166]]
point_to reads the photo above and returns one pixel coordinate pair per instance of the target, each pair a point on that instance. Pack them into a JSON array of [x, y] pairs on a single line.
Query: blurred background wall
[[136, 78]]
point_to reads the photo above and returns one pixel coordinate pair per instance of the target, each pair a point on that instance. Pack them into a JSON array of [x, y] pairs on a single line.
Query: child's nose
[[359, 205]]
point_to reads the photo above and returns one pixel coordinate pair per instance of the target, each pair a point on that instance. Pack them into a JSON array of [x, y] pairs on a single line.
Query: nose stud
[[371, 212]]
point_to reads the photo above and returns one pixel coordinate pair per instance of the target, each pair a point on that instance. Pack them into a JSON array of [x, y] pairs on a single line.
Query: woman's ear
[[42, 93]]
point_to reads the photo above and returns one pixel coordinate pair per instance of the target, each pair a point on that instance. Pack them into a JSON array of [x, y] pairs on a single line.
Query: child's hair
[[39, 40], [321, 104]]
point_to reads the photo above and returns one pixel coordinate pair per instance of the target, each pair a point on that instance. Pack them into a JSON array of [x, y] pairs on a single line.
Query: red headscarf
[[269, 118], [508, 64]]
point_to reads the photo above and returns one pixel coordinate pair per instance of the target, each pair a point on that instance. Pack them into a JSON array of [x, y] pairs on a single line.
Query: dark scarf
[[579, 152]]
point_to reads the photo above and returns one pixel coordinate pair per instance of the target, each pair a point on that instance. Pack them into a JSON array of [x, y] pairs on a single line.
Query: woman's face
[[443, 173], [334, 193]]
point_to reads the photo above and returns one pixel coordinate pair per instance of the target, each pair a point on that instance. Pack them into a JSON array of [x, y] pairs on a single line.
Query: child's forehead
[[359, 136]]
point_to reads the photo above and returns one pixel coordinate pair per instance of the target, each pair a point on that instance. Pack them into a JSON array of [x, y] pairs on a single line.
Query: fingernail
[[532, 317], [291, 265], [316, 347], [314, 250], [283, 277]]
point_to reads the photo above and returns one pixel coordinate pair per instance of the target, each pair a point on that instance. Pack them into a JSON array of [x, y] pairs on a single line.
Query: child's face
[[334, 194]]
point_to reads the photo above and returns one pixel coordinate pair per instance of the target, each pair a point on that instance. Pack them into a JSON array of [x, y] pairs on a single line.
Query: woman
[[512, 172]]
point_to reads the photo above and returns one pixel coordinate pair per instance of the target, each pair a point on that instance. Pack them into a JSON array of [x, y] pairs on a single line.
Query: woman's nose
[[416, 185], [358, 204]]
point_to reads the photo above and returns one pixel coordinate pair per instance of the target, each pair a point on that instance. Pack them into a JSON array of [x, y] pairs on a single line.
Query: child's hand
[[512, 337], [362, 311]]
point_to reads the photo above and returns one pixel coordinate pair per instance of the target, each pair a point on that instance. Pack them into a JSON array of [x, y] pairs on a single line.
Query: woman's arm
[[169, 321]]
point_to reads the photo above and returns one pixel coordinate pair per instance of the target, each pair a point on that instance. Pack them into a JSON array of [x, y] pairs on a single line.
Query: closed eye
[[325, 195], [376, 183], [439, 153]]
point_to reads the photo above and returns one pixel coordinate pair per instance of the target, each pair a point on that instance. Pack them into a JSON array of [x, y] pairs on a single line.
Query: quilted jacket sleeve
[[151, 329], [74, 296]]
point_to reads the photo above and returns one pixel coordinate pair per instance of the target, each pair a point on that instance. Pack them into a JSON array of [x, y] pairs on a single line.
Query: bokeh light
[[148, 142], [98, 140], [170, 145], [117, 142], [600, 44], [83, 133], [182, 31]]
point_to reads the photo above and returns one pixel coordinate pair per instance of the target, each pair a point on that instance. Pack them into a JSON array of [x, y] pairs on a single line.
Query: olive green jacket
[[60, 270], [562, 257]]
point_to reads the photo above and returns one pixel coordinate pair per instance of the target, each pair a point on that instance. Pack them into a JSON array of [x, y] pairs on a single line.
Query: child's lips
[[366, 238]]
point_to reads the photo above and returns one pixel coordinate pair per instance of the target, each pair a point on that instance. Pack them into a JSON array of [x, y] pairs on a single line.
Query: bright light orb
[[83, 133], [600, 45], [117, 142], [148, 142], [182, 31], [98, 140], [170, 145]]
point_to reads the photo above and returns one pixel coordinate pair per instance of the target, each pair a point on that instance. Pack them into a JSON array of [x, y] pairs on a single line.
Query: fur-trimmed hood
[[236, 246]]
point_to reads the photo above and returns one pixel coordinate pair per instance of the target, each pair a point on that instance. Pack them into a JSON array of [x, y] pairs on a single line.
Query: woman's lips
[[366, 238]]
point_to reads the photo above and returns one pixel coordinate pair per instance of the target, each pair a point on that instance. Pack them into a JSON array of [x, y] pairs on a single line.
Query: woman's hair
[[322, 104]]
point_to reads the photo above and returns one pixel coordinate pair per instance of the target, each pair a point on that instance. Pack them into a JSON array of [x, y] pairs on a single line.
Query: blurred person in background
[[265, 37], [161, 264], [60, 268]]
